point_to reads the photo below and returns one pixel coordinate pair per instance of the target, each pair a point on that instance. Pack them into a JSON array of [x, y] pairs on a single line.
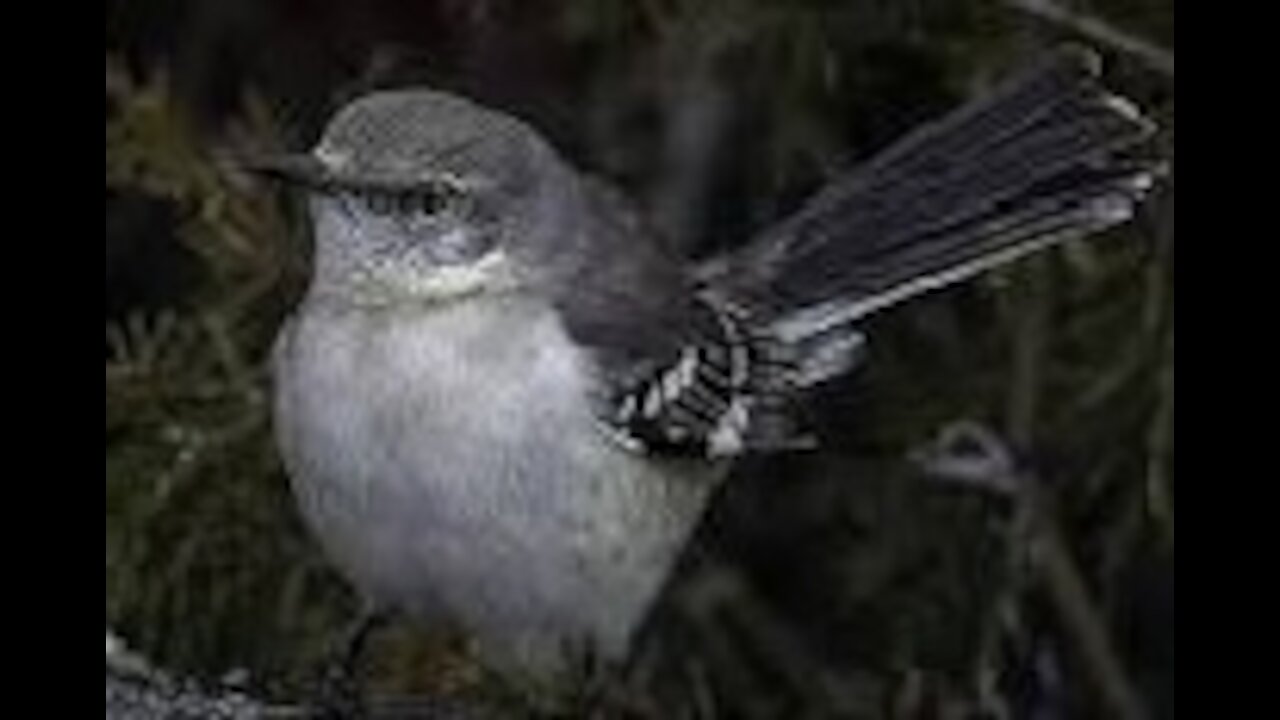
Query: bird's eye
[[379, 202], [406, 203], [427, 200], [424, 200]]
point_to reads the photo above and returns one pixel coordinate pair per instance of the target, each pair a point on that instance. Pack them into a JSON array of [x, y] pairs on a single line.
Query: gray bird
[[504, 403]]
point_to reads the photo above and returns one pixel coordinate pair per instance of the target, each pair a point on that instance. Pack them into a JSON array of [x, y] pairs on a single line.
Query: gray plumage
[[505, 404], [453, 465]]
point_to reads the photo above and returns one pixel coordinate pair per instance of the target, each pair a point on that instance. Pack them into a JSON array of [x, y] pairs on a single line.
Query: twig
[[1100, 31], [137, 690], [1030, 319], [1037, 538], [1082, 620], [1159, 326]]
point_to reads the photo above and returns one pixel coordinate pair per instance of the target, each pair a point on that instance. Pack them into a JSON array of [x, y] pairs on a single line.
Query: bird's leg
[[341, 692]]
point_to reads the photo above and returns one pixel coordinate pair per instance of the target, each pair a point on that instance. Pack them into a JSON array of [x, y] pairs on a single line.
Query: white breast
[[451, 464]]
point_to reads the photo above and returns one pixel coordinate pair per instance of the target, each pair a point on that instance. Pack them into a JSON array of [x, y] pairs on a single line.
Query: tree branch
[[1099, 31]]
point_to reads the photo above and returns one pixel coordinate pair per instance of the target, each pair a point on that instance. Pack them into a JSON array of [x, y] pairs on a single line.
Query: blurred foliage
[[844, 584], [206, 565]]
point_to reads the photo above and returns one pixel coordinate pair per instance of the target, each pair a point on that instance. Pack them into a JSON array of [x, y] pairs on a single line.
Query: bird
[[504, 402]]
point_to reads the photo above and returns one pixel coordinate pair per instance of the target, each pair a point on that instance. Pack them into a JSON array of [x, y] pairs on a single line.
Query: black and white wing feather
[[731, 388]]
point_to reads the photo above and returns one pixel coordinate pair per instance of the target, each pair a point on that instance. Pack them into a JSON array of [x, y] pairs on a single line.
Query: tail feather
[[884, 222], [1046, 157], [936, 153], [1002, 238], [1000, 113]]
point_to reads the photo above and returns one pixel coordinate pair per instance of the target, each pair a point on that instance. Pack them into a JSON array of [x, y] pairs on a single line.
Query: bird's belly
[[451, 466]]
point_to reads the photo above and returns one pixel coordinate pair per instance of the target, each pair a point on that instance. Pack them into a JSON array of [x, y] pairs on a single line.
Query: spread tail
[[1048, 156]]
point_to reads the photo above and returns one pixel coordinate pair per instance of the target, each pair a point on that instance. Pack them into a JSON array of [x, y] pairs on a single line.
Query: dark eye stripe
[[426, 200]]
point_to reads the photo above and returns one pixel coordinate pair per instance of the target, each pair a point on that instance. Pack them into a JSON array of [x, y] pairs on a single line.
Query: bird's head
[[419, 196]]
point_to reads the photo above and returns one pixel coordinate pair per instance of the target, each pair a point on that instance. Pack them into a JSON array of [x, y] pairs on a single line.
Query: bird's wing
[[684, 371], [671, 363]]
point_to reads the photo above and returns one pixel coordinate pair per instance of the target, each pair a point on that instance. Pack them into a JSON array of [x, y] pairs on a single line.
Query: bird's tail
[[1048, 156]]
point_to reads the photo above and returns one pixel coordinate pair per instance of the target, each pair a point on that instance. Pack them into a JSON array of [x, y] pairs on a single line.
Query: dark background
[[846, 583]]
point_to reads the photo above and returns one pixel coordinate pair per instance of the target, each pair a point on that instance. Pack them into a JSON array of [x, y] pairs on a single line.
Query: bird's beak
[[295, 168]]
